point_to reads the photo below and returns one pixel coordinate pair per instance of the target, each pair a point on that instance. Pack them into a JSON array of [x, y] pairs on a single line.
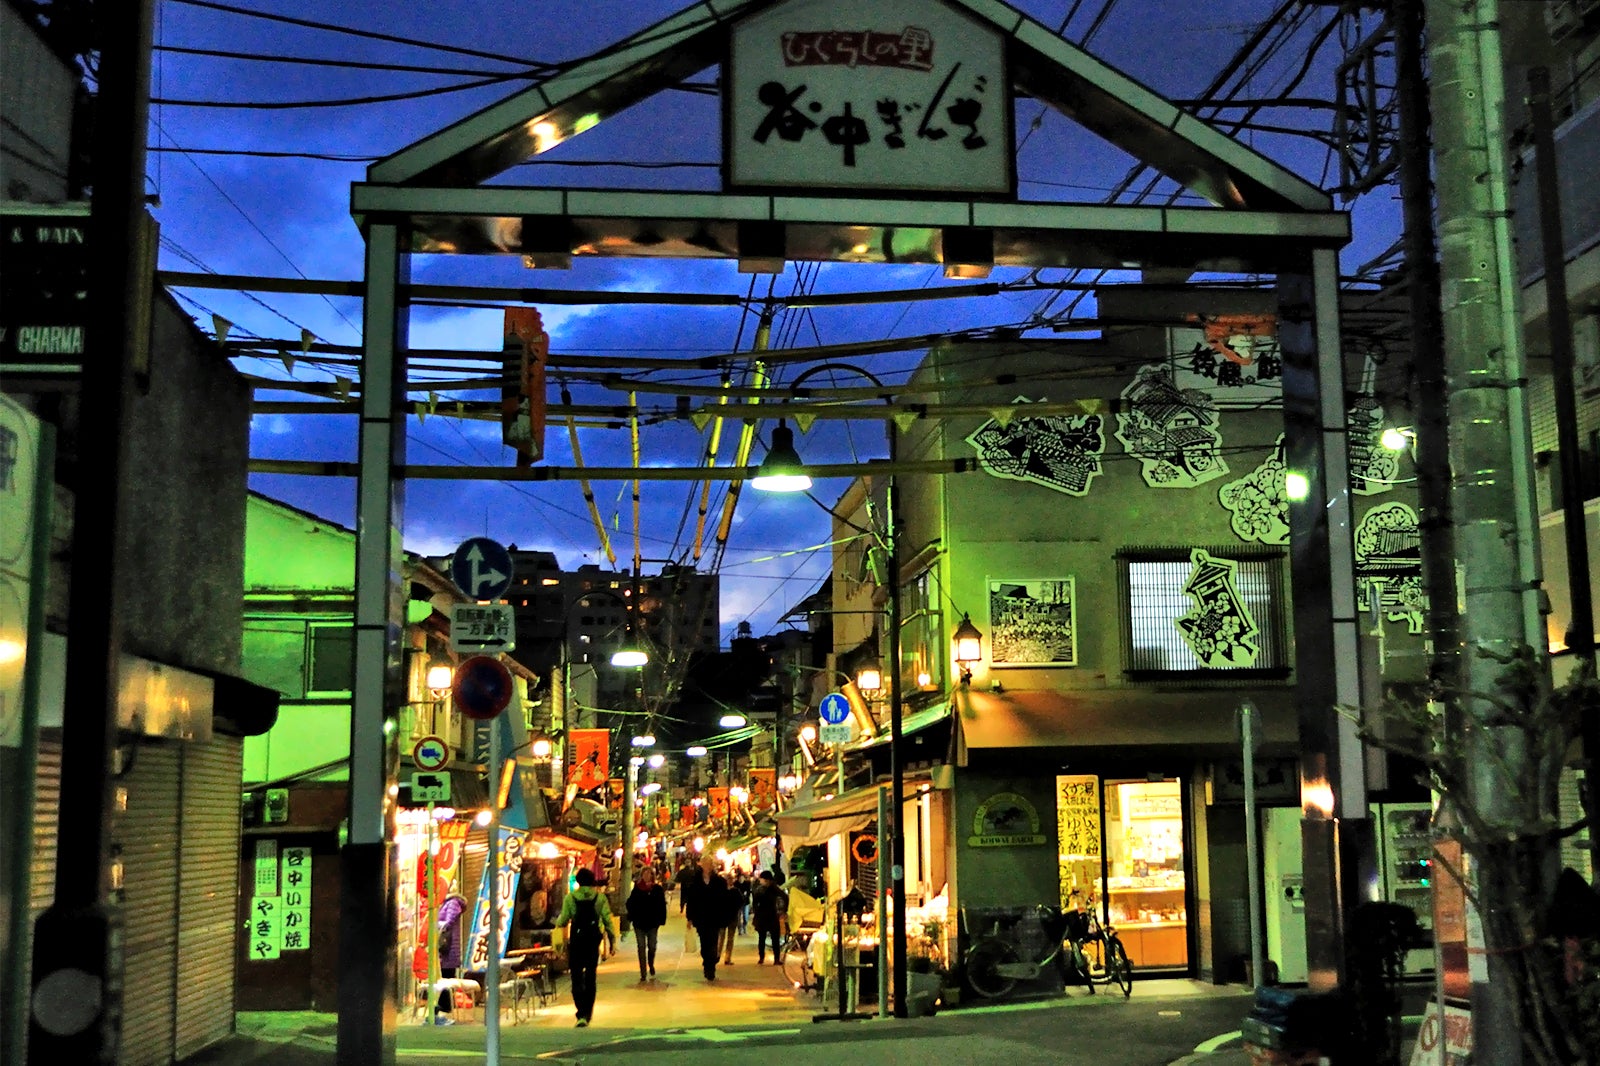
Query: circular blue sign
[[483, 687], [481, 568], [834, 709]]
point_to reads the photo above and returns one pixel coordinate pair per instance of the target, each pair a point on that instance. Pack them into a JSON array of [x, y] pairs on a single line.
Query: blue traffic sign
[[481, 568], [483, 687], [834, 709]]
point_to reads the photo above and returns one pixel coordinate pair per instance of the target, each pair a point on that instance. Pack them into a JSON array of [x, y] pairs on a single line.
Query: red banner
[[663, 817], [522, 400], [591, 762], [717, 799], [763, 789]]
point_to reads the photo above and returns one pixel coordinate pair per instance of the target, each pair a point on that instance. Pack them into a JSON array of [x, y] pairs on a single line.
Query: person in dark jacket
[[449, 951], [709, 905], [647, 910], [767, 906]]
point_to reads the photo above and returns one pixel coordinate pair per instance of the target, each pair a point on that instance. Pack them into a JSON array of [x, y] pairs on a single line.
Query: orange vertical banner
[[591, 762], [763, 788], [522, 400], [614, 789], [717, 799]]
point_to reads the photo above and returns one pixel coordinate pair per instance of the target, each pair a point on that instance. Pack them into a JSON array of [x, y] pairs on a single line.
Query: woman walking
[[647, 910]]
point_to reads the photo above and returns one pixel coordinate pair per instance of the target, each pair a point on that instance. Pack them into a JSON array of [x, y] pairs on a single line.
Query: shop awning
[[1120, 718], [814, 823], [909, 724]]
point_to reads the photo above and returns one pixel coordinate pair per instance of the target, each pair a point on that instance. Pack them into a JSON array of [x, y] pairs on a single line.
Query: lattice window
[[1153, 600]]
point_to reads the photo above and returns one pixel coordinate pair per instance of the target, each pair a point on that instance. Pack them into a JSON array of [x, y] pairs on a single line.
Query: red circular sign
[[483, 687]]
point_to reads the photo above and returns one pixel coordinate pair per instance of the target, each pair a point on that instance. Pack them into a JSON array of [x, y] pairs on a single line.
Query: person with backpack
[[586, 915], [647, 911], [767, 905]]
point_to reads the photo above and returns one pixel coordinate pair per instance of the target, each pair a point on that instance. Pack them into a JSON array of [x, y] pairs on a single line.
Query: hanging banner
[[508, 872], [717, 800], [266, 928], [663, 817], [522, 400], [591, 763], [615, 787], [763, 789]]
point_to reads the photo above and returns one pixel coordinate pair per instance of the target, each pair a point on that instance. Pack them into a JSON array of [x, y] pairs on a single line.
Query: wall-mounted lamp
[[869, 677], [542, 748], [440, 680], [969, 647]]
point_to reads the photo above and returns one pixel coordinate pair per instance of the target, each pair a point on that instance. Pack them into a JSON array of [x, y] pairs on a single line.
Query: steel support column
[[367, 924], [1336, 833]]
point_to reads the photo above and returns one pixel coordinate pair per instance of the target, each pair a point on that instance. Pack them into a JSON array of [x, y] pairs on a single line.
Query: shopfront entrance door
[[1122, 852]]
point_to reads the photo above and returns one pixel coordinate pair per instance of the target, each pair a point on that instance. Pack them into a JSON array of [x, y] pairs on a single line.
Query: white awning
[[814, 823]]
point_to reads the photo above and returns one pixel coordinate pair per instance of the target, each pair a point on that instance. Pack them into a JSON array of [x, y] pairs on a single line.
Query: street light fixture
[[732, 721], [786, 472], [695, 751]]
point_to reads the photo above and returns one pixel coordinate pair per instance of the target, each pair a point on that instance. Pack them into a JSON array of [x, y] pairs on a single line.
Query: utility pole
[[76, 1004], [1492, 458]]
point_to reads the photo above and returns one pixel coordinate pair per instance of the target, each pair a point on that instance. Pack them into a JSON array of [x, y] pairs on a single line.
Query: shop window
[[1175, 599], [1145, 883], [332, 665]]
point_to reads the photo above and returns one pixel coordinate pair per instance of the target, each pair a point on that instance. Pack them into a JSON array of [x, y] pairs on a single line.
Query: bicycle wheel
[[983, 968], [796, 964], [1118, 968]]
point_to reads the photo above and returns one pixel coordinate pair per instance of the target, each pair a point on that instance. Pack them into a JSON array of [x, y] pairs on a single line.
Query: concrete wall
[[36, 92]]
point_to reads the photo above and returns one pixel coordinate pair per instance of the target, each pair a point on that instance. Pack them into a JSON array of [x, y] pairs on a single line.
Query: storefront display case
[[1146, 887]]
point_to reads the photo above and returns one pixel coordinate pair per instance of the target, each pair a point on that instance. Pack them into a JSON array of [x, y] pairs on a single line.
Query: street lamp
[[787, 474], [969, 647]]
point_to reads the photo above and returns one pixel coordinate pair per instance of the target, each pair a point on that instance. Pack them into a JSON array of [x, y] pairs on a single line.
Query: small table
[[535, 972]]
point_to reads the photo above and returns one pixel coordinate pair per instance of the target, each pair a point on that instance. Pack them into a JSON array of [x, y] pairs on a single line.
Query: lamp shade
[[969, 642], [869, 678], [440, 678], [629, 657], [781, 470]]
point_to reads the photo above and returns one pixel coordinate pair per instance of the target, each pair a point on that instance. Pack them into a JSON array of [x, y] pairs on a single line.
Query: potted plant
[[924, 983]]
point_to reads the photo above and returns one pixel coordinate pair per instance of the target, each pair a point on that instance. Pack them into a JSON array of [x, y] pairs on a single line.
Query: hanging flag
[[220, 326], [763, 788], [615, 787], [717, 800], [591, 762], [522, 401]]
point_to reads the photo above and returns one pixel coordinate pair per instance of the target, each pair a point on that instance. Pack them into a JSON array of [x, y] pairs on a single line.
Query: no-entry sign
[[483, 687]]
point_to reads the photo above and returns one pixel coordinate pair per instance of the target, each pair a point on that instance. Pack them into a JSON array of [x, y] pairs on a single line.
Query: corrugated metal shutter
[[46, 820], [147, 832], [208, 842]]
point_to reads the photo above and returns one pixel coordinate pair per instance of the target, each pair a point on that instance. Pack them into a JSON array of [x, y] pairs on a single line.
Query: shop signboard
[[717, 802], [913, 96], [508, 872], [763, 788], [44, 290], [296, 899], [1443, 1038], [266, 928], [1005, 820], [591, 762], [522, 390]]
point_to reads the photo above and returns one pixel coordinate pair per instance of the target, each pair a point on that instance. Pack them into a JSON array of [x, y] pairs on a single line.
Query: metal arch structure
[[429, 198]]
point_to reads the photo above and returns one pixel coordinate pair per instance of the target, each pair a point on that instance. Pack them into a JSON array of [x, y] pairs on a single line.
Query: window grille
[[1153, 599]]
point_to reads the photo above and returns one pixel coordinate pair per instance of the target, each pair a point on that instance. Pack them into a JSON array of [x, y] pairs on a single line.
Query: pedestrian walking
[[587, 918], [647, 910], [744, 887], [768, 903], [686, 872], [730, 927], [709, 907]]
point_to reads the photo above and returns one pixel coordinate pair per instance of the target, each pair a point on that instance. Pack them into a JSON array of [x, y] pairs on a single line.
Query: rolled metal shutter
[[46, 820], [208, 875], [147, 833]]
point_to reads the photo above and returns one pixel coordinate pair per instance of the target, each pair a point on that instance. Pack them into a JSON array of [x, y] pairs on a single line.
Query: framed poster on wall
[[1034, 621]]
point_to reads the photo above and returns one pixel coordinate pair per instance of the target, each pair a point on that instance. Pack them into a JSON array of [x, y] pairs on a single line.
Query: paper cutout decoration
[[1388, 549], [1258, 503], [1033, 622], [1218, 628], [1372, 466], [1060, 452], [1173, 432]]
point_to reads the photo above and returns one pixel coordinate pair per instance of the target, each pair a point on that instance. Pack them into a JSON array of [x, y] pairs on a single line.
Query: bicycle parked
[[804, 917], [1095, 951], [993, 962]]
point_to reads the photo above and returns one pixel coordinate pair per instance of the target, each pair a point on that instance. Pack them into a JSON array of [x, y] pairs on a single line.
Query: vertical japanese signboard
[[522, 400], [591, 762], [295, 893], [1078, 831], [763, 788], [896, 95], [509, 870], [280, 905]]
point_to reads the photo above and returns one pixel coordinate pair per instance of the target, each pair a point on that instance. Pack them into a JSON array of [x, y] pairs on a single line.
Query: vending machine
[[1405, 857]]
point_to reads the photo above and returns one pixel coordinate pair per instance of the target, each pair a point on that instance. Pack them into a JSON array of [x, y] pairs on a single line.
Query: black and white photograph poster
[[1034, 622]]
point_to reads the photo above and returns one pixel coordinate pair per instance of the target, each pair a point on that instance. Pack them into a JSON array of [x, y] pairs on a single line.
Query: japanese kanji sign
[[591, 762], [510, 868], [266, 928], [482, 627], [296, 898], [895, 95]]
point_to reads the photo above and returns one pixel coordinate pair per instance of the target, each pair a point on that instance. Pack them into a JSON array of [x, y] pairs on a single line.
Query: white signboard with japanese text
[[482, 628], [898, 94], [296, 898]]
